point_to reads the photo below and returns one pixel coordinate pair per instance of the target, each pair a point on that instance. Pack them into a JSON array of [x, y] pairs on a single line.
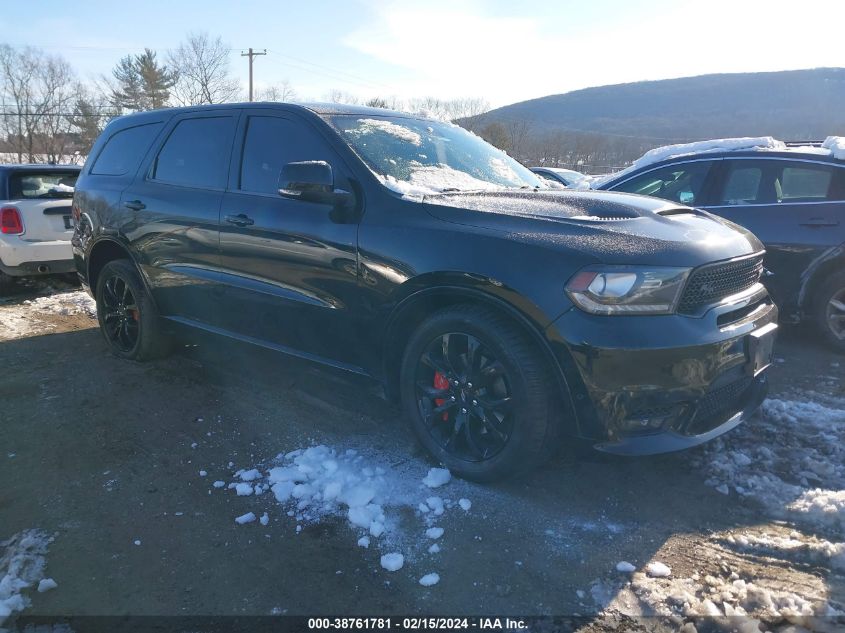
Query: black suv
[[503, 314]]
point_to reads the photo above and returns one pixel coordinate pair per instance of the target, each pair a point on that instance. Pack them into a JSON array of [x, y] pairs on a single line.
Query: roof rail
[[803, 143]]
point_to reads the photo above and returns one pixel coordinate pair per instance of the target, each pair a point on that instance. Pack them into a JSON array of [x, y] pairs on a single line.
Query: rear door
[[795, 207], [44, 201], [290, 265], [172, 214]]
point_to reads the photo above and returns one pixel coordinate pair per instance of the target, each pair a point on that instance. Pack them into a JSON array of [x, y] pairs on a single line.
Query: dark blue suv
[[792, 199]]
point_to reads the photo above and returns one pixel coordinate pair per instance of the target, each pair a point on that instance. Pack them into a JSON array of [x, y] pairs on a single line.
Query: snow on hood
[[699, 147]]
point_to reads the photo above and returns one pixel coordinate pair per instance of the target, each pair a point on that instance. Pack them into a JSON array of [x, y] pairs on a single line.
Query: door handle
[[241, 219], [820, 222], [135, 205]]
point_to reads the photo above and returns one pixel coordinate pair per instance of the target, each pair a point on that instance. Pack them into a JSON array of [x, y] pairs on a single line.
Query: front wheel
[[128, 318], [477, 393], [830, 311]]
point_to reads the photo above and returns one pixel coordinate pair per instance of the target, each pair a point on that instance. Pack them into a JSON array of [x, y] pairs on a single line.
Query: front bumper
[[653, 384], [19, 257]]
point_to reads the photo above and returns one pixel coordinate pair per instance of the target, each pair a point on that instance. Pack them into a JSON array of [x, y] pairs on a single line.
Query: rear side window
[[196, 154], [680, 183], [804, 183], [743, 185], [272, 142], [124, 150], [41, 185]]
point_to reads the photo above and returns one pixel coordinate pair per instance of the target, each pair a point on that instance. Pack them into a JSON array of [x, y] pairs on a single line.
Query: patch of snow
[[425, 180], [250, 475], [698, 147], [434, 533], [265, 519], [656, 569], [364, 541], [219, 484], [430, 580], [465, 504], [437, 477], [836, 145], [434, 549], [625, 567], [392, 561], [368, 126], [46, 584], [203, 473], [137, 542], [249, 517], [244, 489], [22, 565]]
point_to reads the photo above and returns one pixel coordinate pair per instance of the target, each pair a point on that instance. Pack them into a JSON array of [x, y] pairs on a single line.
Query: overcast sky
[[504, 51]]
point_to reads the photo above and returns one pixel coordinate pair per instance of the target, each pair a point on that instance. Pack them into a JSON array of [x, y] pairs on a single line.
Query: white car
[[35, 221]]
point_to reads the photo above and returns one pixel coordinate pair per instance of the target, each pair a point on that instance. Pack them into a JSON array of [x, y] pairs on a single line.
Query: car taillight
[[10, 221]]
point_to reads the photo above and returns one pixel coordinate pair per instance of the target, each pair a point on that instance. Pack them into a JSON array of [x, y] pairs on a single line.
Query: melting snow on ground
[[22, 565], [320, 482], [790, 458], [21, 319]]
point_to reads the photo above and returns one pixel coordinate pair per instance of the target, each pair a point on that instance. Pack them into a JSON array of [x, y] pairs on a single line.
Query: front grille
[[709, 284], [715, 406]]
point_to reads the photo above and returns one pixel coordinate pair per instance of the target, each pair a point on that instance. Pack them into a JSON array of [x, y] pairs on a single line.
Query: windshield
[[31, 184], [417, 156]]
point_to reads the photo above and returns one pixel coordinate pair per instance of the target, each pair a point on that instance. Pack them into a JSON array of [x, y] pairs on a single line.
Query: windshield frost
[[416, 156]]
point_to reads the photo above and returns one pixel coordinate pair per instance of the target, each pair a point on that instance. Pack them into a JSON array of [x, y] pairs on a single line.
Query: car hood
[[613, 228]]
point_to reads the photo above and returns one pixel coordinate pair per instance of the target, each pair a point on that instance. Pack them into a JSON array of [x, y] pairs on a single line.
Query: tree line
[[50, 115]]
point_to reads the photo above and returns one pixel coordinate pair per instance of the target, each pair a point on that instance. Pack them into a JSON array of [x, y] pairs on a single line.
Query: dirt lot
[[105, 456]]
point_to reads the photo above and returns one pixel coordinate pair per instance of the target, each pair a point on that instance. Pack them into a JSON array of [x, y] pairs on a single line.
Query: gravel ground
[[104, 457]]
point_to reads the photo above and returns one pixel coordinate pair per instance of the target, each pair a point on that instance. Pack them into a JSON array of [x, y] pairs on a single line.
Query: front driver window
[[680, 183]]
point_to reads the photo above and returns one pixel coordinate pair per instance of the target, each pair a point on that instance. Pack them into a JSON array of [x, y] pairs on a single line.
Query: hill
[[791, 105]]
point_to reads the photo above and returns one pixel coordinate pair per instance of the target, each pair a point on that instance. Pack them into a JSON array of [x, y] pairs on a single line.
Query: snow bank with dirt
[[21, 568], [18, 320]]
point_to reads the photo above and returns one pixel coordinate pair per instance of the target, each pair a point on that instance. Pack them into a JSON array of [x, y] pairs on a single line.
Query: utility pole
[[251, 54]]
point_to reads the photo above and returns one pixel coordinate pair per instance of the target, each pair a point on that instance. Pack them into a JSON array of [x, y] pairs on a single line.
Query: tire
[[468, 440], [829, 311], [128, 318]]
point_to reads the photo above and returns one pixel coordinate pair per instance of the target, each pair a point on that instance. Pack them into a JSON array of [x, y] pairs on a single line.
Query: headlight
[[627, 289]]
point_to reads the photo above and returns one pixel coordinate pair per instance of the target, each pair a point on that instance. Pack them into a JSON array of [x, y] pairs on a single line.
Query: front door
[[291, 266], [794, 207]]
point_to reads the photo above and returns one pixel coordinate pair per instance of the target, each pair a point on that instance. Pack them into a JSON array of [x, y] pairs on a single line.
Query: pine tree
[[142, 84]]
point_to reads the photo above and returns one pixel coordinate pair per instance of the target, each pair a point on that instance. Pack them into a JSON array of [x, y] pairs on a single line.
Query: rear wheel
[[128, 318], [477, 393], [830, 311]]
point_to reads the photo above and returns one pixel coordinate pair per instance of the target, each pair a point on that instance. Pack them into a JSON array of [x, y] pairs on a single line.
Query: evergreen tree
[[142, 84]]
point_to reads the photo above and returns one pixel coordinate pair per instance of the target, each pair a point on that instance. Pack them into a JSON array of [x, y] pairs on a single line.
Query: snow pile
[[790, 458], [65, 304], [320, 482], [795, 547], [18, 320], [836, 145], [22, 566], [698, 147]]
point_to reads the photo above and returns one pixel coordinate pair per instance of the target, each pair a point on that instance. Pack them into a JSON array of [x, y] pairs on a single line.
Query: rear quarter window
[[42, 185], [123, 152]]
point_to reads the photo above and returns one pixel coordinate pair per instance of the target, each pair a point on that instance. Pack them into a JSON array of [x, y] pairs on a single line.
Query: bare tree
[[341, 96], [201, 65], [38, 90], [282, 91]]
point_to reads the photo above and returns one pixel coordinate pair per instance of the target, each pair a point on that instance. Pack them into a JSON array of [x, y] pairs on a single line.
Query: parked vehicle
[[792, 198], [566, 177], [501, 313], [35, 221]]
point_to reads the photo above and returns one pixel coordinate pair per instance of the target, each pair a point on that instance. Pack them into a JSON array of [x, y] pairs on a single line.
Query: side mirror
[[311, 181]]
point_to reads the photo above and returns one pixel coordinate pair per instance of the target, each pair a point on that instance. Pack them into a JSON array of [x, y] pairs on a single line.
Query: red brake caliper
[[440, 382]]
